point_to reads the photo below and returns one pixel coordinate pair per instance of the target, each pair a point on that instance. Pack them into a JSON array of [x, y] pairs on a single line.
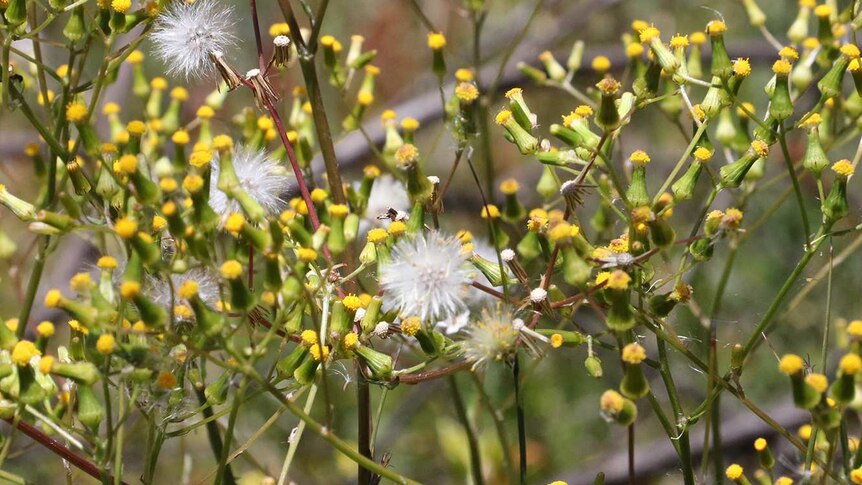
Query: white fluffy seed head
[[187, 33], [491, 338], [428, 277], [159, 291], [507, 255], [281, 41], [260, 176]]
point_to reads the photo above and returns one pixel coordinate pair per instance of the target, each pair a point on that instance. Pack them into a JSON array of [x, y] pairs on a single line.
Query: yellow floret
[[106, 344], [23, 352], [436, 41], [791, 364], [843, 168], [231, 269], [633, 353]]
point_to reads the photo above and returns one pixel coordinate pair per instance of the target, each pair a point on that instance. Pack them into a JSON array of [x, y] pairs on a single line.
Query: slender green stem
[[782, 140], [682, 444], [472, 440], [32, 286], [522, 426], [824, 350], [681, 162], [485, 400], [325, 432], [764, 324], [363, 405], [221, 474], [294, 443], [213, 435], [714, 411]]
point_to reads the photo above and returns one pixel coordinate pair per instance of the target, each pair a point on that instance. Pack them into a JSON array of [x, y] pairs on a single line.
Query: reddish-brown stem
[[433, 374], [58, 449], [276, 118], [300, 180], [257, 40]]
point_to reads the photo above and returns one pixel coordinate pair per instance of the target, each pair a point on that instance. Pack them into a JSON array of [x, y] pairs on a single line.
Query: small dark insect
[[392, 215]]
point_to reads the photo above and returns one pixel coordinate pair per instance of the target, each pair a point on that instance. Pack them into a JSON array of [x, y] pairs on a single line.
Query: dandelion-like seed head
[[196, 281], [188, 33], [427, 277], [492, 338], [259, 175]]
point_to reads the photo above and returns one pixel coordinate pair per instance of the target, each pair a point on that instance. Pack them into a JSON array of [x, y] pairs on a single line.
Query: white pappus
[[428, 277], [260, 176], [187, 34]]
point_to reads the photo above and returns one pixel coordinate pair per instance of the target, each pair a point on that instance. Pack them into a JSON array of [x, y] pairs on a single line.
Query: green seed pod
[[216, 392], [90, 410], [594, 366], [618, 408], [288, 365]]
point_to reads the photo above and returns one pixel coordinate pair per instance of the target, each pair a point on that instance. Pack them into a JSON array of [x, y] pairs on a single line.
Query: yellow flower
[[502, 117], [611, 402], [121, 6], [618, 280], [318, 354], [639, 158], [410, 124], [818, 382], [843, 168], [309, 337], [45, 329], [601, 64], [467, 92], [436, 41], [410, 326], [679, 41], [509, 186], [791, 364], [350, 341], [760, 444], [46, 364], [377, 235], [397, 228], [231, 269], [188, 290], [742, 67], [106, 344], [781, 67], [850, 364], [130, 289], [23, 352], [490, 211], [80, 282], [306, 255], [734, 472], [53, 298], [338, 210], [633, 353], [76, 111], [406, 154], [125, 228], [351, 302], [716, 27], [649, 34], [279, 28]]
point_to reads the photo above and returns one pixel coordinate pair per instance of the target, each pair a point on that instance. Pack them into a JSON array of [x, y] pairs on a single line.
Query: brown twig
[[58, 449]]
